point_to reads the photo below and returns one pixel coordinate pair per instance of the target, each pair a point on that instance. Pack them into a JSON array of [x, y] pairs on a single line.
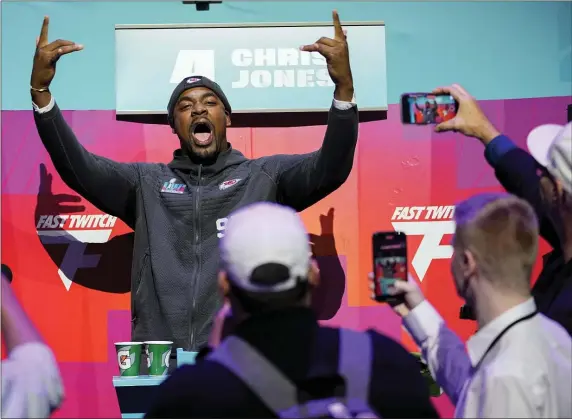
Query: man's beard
[[200, 154], [203, 153]]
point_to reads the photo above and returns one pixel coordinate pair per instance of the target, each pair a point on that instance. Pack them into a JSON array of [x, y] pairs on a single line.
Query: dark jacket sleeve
[[305, 179], [516, 170], [397, 388], [108, 185]]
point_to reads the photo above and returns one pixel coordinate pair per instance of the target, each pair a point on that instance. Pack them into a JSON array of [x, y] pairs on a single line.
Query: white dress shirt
[[338, 104], [31, 383], [526, 374]]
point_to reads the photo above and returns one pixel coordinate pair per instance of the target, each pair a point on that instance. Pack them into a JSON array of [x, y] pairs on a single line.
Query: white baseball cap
[[551, 146], [261, 234]]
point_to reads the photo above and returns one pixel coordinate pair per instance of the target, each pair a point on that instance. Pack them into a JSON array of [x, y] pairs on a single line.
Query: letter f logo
[[430, 247]]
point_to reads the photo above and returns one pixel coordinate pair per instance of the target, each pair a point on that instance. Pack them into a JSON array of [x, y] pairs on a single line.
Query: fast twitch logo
[[76, 231], [430, 222]]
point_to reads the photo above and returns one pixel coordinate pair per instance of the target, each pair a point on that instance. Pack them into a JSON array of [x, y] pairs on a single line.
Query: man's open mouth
[[202, 132]]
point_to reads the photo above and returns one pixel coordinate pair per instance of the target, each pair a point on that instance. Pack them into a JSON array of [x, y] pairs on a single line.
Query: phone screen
[[427, 108], [389, 262]]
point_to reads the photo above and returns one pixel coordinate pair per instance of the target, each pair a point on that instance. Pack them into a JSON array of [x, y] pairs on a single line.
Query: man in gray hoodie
[[178, 210]]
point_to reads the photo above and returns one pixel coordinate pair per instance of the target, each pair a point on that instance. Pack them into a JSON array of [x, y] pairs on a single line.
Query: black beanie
[[190, 83]]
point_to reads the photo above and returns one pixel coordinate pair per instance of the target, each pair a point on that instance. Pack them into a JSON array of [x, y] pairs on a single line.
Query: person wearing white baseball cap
[[543, 178], [551, 146], [278, 359]]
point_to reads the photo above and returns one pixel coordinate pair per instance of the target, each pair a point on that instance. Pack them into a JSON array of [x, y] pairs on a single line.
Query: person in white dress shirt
[[31, 382], [518, 364]]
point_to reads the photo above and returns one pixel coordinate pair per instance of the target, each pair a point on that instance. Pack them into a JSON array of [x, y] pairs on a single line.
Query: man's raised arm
[[306, 179], [109, 185], [515, 168]]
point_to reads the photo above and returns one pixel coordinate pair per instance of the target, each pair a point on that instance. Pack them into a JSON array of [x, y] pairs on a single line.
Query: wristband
[[43, 89]]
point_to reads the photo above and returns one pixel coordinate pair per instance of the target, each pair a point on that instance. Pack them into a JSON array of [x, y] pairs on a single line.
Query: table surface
[[183, 357], [141, 380]]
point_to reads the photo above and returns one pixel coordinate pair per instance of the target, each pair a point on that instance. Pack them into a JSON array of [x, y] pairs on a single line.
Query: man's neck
[[204, 161], [491, 305]]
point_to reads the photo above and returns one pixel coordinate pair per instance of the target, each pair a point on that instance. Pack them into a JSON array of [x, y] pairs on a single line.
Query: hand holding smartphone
[[427, 108], [389, 264]]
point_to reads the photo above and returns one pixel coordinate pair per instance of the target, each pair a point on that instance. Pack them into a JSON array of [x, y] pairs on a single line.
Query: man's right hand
[[411, 293], [46, 56], [409, 290], [470, 119]]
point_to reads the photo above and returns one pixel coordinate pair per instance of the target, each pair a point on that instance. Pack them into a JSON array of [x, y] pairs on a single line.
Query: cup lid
[[128, 343], [158, 342]]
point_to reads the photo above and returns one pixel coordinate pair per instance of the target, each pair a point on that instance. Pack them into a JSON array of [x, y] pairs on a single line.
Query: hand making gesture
[[337, 55], [46, 56]]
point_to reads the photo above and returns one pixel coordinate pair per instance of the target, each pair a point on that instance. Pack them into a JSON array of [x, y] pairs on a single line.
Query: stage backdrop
[[72, 272]]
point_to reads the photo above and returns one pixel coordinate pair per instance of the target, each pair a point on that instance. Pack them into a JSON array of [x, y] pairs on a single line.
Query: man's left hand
[[337, 55]]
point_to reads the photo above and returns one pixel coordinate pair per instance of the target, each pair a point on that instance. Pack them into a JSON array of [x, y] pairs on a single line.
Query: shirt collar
[[480, 341]]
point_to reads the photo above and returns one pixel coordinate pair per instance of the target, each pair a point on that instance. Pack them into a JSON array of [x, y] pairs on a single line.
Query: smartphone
[[427, 108], [389, 263]]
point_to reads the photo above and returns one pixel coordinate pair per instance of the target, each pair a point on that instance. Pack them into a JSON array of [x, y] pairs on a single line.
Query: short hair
[[501, 231]]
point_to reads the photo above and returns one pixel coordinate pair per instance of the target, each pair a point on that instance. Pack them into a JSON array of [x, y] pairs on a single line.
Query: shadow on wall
[[112, 273], [327, 297]]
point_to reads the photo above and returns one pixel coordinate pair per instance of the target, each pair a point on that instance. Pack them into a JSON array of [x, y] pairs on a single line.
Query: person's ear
[[469, 264], [227, 115], [314, 274], [223, 285]]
